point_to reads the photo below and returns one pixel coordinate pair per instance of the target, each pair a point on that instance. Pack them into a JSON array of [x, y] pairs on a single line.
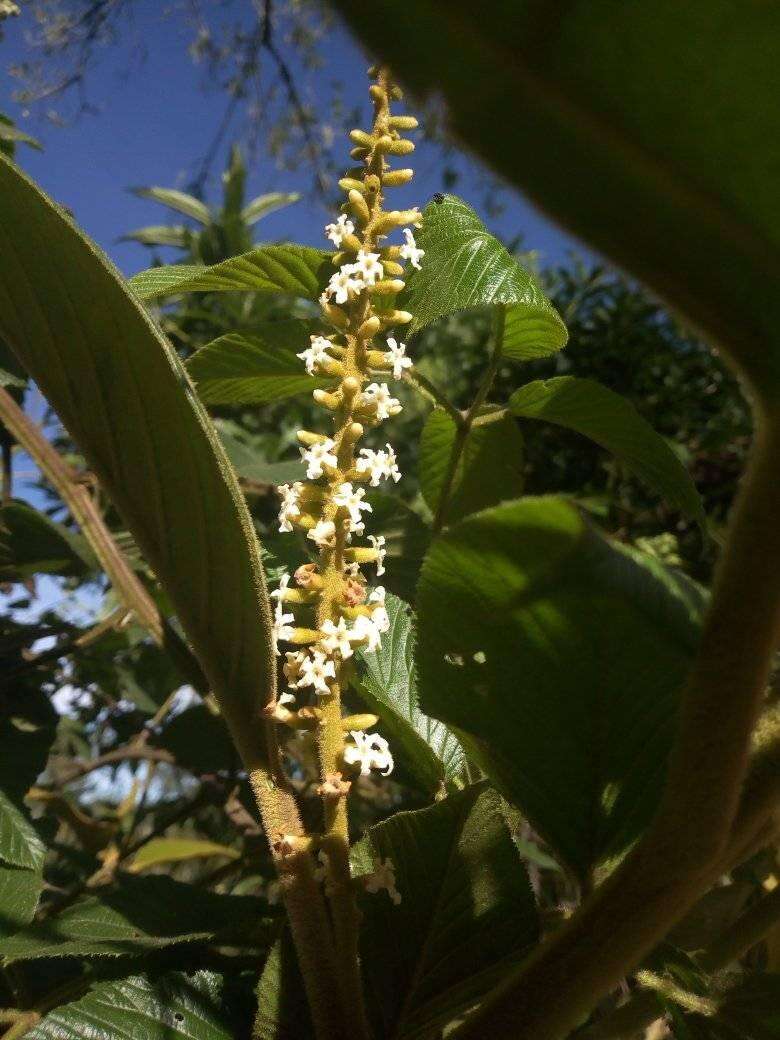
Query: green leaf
[[263, 205], [388, 685], [124, 396], [293, 270], [656, 152], [465, 266], [467, 914], [558, 657], [20, 846], [159, 235], [179, 201], [489, 468], [609, 419], [282, 1011], [19, 893], [177, 850], [250, 463], [32, 543], [176, 1006], [145, 913], [255, 367]]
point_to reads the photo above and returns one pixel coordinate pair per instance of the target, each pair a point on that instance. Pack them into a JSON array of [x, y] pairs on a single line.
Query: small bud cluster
[[330, 506]]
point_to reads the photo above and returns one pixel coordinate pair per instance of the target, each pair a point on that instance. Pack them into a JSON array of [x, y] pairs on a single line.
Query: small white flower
[[378, 542], [290, 508], [379, 394], [368, 266], [316, 354], [379, 595], [292, 665], [352, 570], [351, 499], [319, 455], [410, 250], [340, 230], [379, 615], [337, 638], [323, 534], [315, 671], [396, 357], [345, 284], [383, 879], [285, 698], [364, 630], [369, 751], [378, 464], [281, 628]]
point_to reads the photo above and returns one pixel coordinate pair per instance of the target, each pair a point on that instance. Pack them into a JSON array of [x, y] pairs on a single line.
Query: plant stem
[[672, 865], [469, 419]]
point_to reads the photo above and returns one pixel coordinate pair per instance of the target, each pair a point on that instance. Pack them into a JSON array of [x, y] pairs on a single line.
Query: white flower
[[345, 284], [392, 472], [379, 394], [290, 508], [340, 230], [396, 356], [316, 354], [364, 629], [383, 879], [351, 499], [378, 542], [378, 464], [281, 628], [337, 638], [285, 698], [315, 671], [284, 581], [323, 534], [368, 267], [410, 251], [292, 665], [379, 615], [369, 751], [352, 569], [319, 455]]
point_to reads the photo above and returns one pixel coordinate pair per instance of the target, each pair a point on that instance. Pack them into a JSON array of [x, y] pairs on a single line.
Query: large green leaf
[[466, 915], [177, 200], [177, 1006], [143, 914], [251, 464], [388, 684], [489, 467], [293, 270], [644, 128], [558, 657], [264, 205], [465, 266], [20, 890], [255, 367], [124, 396], [32, 543], [20, 846], [609, 419]]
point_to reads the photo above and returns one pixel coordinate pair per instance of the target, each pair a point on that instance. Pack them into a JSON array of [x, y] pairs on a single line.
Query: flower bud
[[351, 184], [370, 327], [358, 153], [308, 576], [363, 721], [395, 178], [391, 318], [361, 138], [403, 122], [391, 267], [401, 147], [359, 208], [386, 287], [326, 400]]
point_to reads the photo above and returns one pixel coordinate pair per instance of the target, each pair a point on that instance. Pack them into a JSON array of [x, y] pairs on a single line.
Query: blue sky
[[155, 121]]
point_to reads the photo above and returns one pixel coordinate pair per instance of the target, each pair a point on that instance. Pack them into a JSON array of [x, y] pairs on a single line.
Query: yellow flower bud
[[403, 122], [386, 287], [371, 325], [326, 400], [351, 184], [358, 153], [365, 721], [395, 178], [361, 138], [401, 147], [359, 208], [391, 267], [391, 318]]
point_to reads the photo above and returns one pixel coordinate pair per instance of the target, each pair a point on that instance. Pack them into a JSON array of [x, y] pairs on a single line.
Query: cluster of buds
[[327, 609]]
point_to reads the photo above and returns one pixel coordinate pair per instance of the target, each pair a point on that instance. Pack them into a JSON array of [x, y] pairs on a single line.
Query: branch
[[672, 865]]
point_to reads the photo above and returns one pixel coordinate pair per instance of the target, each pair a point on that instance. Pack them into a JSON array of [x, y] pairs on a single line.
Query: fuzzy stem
[[672, 865], [469, 419]]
